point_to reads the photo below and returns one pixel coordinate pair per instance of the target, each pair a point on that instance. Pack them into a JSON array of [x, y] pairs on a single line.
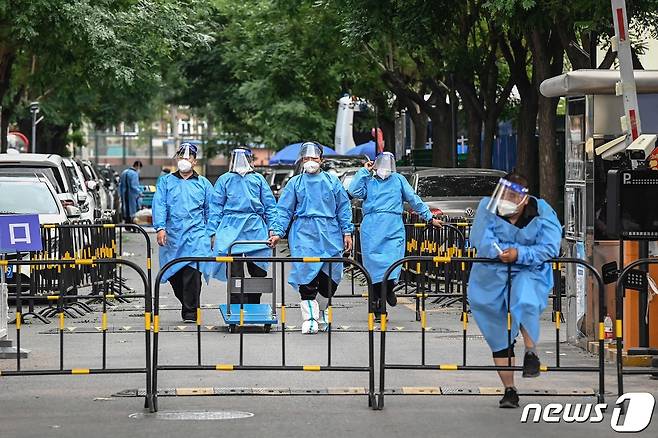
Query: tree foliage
[[101, 59]]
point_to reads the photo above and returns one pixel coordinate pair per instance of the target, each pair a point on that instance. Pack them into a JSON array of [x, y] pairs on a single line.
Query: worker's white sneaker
[[323, 321], [310, 316]]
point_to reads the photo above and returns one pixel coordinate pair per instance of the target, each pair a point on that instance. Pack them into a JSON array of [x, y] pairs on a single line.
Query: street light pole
[[34, 109]]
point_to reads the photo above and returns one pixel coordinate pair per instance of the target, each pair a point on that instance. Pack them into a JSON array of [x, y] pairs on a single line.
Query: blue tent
[[369, 149], [288, 155]]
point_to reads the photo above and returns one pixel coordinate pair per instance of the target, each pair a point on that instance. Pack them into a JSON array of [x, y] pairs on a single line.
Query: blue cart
[[252, 314]]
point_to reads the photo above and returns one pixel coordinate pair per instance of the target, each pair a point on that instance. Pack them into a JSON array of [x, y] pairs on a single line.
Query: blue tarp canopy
[[289, 154], [369, 149]]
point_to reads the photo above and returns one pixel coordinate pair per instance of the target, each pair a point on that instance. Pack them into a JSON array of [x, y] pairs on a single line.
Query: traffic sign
[[20, 233]]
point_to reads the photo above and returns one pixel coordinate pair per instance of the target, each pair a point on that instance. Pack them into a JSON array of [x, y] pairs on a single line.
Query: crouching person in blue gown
[[319, 208], [181, 209], [382, 230], [522, 231], [243, 209]]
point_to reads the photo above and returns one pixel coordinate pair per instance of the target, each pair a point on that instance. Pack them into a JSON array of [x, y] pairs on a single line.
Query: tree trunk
[[442, 143], [490, 130], [7, 57], [548, 60], [548, 163], [474, 128], [4, 128], [419, 120], [526, 139]]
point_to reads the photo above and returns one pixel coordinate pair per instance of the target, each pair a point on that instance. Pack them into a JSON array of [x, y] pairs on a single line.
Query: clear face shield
[[310, 154], [507, 198], [241, 160], [309, 150], [185, 155], [384, 165]]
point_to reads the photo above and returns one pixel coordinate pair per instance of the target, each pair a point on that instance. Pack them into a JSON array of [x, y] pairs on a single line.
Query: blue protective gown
[[181, 207], [532, 279], [382, 229], [242, 208], [321, 213], [130, 191]]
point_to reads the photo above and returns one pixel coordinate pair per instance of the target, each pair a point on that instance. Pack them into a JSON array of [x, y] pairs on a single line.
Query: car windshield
[[49, 172], [456, 185], [22, 197]]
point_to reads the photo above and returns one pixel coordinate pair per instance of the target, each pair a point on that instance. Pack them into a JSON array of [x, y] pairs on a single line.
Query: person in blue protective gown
[[382, 230], [523, 232], [181, 211], [318, 207], [243, 209], [130, 191]]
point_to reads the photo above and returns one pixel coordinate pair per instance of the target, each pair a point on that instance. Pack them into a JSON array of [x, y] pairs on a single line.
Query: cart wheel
[[231, 328], [267, 328]]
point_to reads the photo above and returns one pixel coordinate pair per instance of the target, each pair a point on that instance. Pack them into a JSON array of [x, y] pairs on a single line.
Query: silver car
[[455, 192]]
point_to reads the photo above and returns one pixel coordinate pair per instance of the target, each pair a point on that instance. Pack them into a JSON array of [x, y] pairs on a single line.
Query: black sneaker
[[510, 400], [391, 299], [530, 365]]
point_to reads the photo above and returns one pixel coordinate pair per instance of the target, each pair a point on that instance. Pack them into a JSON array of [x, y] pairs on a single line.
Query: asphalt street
[[108, 405]]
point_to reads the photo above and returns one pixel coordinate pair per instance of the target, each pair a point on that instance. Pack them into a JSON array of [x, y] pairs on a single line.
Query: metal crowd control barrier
[[370, 369], [61, 301], [640, 281], [79, 241], [462, 262], [426, 240], [449, 239]]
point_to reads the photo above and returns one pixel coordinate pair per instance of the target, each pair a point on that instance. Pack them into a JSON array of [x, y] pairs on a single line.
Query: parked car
[[278, 177], [33, 195], [95, 184], [111, 182], [266, 171], [455, 192], [86, 201], [348, 175], [49, 165], [408, 171]]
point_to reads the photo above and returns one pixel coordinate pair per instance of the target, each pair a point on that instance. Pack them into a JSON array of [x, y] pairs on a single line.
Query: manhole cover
[[195, 416]]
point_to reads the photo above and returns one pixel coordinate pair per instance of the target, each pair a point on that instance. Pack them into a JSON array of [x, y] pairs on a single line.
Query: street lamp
[[34, 109]]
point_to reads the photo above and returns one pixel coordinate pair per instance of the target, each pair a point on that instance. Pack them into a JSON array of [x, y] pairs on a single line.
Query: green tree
[[101, 59]]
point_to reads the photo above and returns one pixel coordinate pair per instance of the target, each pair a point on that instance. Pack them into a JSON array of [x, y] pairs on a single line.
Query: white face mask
[[184, 165], [507, 208], [242, 171], [383, 173], [311, 167]]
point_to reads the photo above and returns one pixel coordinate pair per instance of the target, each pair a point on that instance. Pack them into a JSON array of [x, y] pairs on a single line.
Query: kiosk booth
[[593, 112]]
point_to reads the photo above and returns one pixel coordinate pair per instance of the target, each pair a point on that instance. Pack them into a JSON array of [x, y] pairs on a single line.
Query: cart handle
[[247, 242]]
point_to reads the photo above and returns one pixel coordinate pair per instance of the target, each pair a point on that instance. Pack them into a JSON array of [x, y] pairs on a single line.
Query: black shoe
[[530, 365], [510, 400], [391, 299], [189, 319]]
